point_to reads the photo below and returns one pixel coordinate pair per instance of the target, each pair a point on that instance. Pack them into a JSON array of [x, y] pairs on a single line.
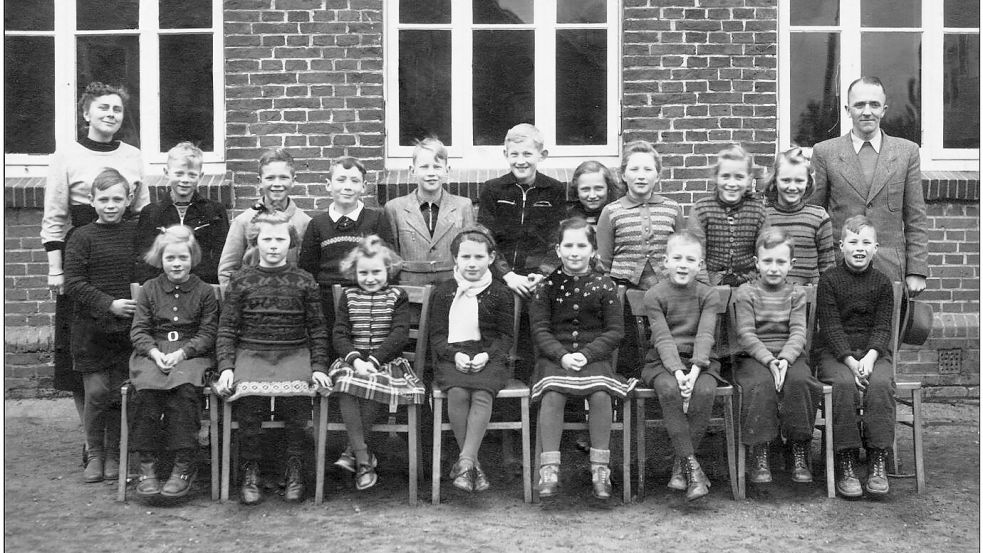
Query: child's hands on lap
[[224, 383], [462, 361], [573, 361], [161, 360], [320, 379], [123, 307], [173, 358], [779, 369], [362, 367], [479, 361]]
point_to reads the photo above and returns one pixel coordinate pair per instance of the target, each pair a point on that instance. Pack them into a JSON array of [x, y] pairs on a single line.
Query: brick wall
[[305, 75]]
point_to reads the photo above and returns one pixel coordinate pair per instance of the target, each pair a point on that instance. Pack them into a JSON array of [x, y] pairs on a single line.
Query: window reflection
[[962, 13], [112, 60], [896, 59], [424, 85], [815, 102], [28, 15], [186, 110], [28, 95], [424, 11], [815, 12], [502, 11], [504, 83], [581, 86], [581, 11], [98, 15], [185, 14], [961, 92], [891, 13]]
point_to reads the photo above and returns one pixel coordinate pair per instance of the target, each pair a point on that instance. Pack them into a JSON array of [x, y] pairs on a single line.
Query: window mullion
[[545, 69], [932, 75], [850, 54], [614, 78], [149, 81], [218, 83], [462, 120], [65, 75]]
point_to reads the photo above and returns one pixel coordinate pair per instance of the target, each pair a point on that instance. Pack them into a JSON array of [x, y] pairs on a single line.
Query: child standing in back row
[[470, 337], [680, 364], [99, 264], [592, 186], [789, 186], [729, 221]]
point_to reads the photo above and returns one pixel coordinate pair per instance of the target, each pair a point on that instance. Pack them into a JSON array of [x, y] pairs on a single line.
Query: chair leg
[[124, 446], [640, 444], [214, 445], [828, 431], [438, 415], [626, 450], [731, 446], [535, 462], [321, 444], [526, 468], [226, 443], [413, 436], [739, 444], [916, 430]]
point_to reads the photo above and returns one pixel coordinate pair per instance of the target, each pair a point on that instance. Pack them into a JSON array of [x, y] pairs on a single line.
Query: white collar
[[335, 214], [875, 142]]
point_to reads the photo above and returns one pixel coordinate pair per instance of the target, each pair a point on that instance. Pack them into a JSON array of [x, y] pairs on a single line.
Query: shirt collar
[[354, 215], [875, 142], [185, 286], [440, 197], [654, 199]]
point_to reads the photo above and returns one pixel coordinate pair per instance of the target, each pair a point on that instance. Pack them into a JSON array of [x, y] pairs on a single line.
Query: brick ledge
[[28, 192]]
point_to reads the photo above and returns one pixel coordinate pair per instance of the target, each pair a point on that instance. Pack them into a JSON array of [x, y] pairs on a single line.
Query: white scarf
[[462, 321]]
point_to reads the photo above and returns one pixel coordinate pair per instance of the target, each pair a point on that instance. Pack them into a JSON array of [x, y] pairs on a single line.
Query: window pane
[[97, 15], [894, 57], [504, 86], [581, 86], [28, 15], [185, 14], [424, 85], [815, 12], [962, 13], [891, 13], [581, 11], [503, 11], [112, 60], [815, 101], [961, 92], [28, 95], [424, 11], [186, 110]]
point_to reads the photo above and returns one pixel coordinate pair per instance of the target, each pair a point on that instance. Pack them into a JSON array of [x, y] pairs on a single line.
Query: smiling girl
[[789, 186], [594, 186]]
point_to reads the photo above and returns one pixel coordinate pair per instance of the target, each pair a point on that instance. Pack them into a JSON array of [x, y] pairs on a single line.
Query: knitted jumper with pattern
[[810, 228], [623, 245], [373, 326], [729, 232], [771, 322], [854, 311], [272, 309]]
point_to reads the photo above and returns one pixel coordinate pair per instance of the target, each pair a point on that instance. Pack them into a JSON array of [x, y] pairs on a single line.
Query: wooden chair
[[824, 419], [211, 410], [914, 388], [624, 426], [418, 296], [635, 299], [514, 390]]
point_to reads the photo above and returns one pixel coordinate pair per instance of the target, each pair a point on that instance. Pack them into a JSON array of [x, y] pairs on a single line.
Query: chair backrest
[[419, 301], [636, 300], [898, 293]]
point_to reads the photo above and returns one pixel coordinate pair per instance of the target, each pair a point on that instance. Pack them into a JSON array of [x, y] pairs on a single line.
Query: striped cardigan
[[622, 249], [728, 233], [811, 231], [373, 326]]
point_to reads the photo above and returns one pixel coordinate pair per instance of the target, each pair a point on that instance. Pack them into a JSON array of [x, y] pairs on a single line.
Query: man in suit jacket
[[867, 172], [425, 221]]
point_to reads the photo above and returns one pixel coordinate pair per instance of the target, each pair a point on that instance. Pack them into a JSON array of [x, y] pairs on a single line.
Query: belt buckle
[[173, 336]]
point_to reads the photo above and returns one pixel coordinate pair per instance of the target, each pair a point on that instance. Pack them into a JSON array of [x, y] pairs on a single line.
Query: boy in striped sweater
[[777, 387]]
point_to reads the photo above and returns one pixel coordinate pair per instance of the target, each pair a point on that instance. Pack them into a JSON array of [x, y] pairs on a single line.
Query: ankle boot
[[250, 492], [600, 473], [479, 479], [678, 479], [800, 462], [294, 490], [848, 485], [761, 470], [93, 467], [697, 482], [182, 475], [110, 467], [877, 471], [147, 483], [549, 473]]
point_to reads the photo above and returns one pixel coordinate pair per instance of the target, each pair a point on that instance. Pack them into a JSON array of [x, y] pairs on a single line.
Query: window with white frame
[[164, 52], [467, 71], [926, 52]]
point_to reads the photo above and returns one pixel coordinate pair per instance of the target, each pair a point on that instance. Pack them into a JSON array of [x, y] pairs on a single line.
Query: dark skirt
[[493, 378], [65, 377], [598, 376], [146, 375]]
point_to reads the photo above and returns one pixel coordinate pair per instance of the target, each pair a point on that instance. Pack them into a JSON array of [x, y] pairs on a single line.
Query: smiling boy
[[854, 310]]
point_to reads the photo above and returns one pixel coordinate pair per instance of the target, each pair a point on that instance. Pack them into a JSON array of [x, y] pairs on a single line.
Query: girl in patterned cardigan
[[729, 221], [370, 330]]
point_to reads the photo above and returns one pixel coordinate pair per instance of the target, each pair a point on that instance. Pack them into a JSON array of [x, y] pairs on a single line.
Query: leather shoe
[[294, 490], [250, 492]]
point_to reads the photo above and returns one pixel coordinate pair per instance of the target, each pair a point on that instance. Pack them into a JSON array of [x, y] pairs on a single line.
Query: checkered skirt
[[394, 384]]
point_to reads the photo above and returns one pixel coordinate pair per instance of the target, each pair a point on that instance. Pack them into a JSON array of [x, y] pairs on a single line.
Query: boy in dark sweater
[[854, 351], [184, 206], [99, 261]]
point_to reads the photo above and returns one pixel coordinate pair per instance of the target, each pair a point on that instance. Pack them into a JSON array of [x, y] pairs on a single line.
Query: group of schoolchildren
[[281, 331]]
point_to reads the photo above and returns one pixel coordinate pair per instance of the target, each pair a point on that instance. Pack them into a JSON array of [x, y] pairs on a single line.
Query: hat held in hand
[[916, 321]]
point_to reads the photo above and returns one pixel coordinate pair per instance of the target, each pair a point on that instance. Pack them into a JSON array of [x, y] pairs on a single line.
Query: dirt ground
[[48, 508]]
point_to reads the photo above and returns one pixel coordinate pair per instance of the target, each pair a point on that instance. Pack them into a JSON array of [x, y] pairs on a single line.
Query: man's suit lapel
[[445, 220], [414, 217], [885, 166], [850, 166]]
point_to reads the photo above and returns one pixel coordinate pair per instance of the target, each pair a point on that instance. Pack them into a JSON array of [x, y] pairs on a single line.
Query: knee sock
[[551, 420], [458, 408], [478, 417], [600, 421]]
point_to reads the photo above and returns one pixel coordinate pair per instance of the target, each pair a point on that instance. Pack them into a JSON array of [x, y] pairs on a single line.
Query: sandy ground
[[48, 508]]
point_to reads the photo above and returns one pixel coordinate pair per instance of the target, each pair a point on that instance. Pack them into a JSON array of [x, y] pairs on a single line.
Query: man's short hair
[[866, 80]]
